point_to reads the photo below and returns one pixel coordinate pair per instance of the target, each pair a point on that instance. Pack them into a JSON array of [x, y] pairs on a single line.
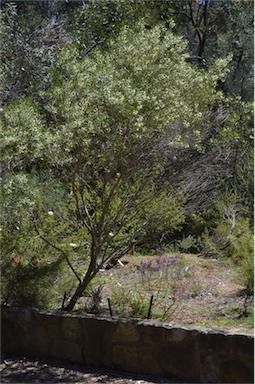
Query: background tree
[[31, 33]]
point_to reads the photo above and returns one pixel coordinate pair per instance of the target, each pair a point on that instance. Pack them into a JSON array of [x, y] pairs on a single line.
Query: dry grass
[[190, 290]]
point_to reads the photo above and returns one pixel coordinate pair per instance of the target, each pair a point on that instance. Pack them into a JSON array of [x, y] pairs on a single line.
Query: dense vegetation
[[125, 123]]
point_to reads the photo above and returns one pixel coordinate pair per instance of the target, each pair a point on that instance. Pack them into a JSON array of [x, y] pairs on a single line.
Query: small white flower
[[111, 234], [73, 245], [50, 213]]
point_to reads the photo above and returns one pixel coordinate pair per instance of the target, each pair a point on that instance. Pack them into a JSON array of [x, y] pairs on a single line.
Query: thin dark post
[[149, 312], [63, 302], [110, 307]]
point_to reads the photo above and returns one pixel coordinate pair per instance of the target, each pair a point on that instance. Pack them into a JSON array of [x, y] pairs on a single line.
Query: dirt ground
[[16, 369]]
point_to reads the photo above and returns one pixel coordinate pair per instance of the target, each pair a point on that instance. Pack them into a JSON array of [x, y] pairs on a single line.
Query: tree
[[31, 34], [239, 39], [216, 29], [112, 116]]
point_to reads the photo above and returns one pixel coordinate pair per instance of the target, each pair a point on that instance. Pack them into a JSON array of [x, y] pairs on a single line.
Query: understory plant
[[25, 281], [236, 244], [152, 283], [242, 253]]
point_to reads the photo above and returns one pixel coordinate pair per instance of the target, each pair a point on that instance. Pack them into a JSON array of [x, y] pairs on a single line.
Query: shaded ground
[[25, 370]]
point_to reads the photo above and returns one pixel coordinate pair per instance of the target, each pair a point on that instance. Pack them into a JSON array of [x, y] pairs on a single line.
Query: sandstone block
[[126, 333], [71, 328]]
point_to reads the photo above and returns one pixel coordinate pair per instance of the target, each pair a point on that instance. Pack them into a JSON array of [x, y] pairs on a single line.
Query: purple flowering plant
[[162, 264], [159, 276]]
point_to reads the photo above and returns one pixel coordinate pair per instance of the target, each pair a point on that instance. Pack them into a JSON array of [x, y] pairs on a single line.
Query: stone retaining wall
[[148, 347]]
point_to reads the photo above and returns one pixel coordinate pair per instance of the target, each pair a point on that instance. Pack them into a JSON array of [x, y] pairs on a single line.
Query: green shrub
[[94, 295], [187, 243], [27, 283], [126, 303], [235, 242], [242, 253]]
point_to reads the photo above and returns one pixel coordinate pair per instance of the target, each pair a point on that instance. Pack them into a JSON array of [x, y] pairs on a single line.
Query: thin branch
[[205, 14], [184, 14], [200, 19], [106, 203], [195, 26], [191, 14], [116, 255], [122, 251], [91, 48], [57, 249], [74, 189]]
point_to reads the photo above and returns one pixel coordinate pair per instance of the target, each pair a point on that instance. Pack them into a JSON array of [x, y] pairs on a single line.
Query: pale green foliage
[[24, 138], [136, 87]]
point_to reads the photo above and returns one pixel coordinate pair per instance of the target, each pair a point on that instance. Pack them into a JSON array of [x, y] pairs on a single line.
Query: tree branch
[[91, 48], [86, 223], [57, 249]]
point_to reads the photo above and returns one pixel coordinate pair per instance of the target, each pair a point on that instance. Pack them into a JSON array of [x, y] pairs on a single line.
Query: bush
[[27, 283], [242, 253], [127, 303], [237, 244]]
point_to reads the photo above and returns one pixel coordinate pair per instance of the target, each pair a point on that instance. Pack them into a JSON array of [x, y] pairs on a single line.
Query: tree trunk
[[78, 292]]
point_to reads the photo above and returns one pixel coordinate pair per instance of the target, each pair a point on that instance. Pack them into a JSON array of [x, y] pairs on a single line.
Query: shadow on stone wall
[[147, 347]]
